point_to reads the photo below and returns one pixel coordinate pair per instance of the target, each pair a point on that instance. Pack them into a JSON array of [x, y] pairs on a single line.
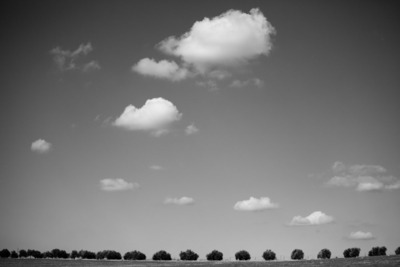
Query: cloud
[[252, 82], [191, 129], [315, 218], [117, 185], [209, 84], [41, 146], [68, 60], [359, 235], [231, 38], [254, 204], [156, 168], [179, 201], [155, 116], [364, 178], [163, 69]]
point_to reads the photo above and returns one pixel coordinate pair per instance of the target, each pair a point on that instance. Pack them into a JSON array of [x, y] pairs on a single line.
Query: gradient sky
[[307, 124]]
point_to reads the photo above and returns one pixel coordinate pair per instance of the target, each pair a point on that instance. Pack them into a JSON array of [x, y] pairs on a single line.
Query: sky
[[174, 125]]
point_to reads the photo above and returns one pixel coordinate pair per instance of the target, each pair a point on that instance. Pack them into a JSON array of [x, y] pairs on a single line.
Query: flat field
[[362, 261]]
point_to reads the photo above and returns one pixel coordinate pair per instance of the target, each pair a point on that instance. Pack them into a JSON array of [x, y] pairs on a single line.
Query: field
[[363, 261]]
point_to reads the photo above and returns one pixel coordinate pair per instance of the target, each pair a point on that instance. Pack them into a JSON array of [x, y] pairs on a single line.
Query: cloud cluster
[[254, 204], [363, 178], [68, 60], [212, 46], [155, 115], [359, 235], [315, 218], [41, 146], [191, 129], [117, 184], [179, 201]]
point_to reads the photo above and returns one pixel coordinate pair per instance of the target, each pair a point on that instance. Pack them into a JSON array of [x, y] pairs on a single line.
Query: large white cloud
[[255, 204], [155, 115], [230, 38], [363, 178], [41, 146], [163, 69], [117, 184], [179, 201], [68, 60], [360, 235], [315, 218]]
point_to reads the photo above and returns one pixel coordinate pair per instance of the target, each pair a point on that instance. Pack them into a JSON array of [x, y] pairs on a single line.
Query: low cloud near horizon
[[179, 201], [315, 218], [118, 184], [360, 235]]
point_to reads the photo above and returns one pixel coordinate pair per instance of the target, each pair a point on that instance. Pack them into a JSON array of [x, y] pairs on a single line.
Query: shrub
[[134, 256], [397, 251], [48, 255], [324, 254], [23, 253], [14, 254], [109, 255], [351, 253], [74, 254], [188, 255], [242, 255], [377, 251], [215, 255], [5, 253], [34, 254], [269, 255], [297, 254], [84, 254], [161, 255]]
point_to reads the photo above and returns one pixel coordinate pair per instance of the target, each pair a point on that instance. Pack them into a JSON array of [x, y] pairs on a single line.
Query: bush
[[161, 255], [215, 255], [397, 251], [188, 255], [14, 254], [134, 256], [5, 253], [242, 255], [297, 254], [269, 255], [351, 253], [23, 253], [84, 254], [109, 255], [324, 254], [48, 255], [377, 251], [74, 254], [34, 254]]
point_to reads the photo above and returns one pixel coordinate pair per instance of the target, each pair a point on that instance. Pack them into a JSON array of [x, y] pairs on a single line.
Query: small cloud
[[191, 129], [117, 185], [41, 146], [156, 168], [315, 218], [163, 69], [179, 201], [155, 116], [254, 204], [252, 82], [68, 60], [209, 84], [359, 235]]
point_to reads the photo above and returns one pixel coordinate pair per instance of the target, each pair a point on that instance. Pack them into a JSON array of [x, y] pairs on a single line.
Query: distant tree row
[[187, 255]]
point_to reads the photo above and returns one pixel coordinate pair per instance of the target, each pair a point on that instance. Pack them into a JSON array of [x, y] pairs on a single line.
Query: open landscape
[[362, 261]]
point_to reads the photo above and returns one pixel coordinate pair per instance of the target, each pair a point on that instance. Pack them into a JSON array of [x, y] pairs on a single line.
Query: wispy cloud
[[251, 82], [41, 146], [156, 115], [255, 204], [179, 201], [315, 218], [191, 129], [117, 184], [163, 69], [67, 60], [156, 167], [360, 235], [363, 178]]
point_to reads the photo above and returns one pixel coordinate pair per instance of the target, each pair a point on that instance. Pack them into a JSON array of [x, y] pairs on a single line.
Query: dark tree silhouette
[[74, 254], [23, 253], [162, 255], [14, 254], [242, 255], [188, 255], [324, 254], [5, 253], [377, 251], [297, 254], [269, 255], [397, 251], [351, 253], [134, 255], [215, 255]]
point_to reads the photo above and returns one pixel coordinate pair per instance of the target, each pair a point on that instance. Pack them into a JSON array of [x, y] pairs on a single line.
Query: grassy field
[[363, 261]]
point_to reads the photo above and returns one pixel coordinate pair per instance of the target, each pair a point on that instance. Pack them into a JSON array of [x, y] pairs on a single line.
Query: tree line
[[188, 255]]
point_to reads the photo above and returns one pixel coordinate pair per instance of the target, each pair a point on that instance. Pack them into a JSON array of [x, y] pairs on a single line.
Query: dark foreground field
[[364, 261]]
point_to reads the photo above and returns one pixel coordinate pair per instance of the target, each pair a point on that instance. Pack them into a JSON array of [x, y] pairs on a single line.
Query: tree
[[34, 254], [215, 255], [377, 251], [324, 254], [5, 253], [188, 255], [297, 254], [84, 254], [351, 253], [74, 254], [14, 254], [242, 255], [134, 256], [108, 254], [269, 255], [397, 251], [23, 253], [48, 255], [162, 255]]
